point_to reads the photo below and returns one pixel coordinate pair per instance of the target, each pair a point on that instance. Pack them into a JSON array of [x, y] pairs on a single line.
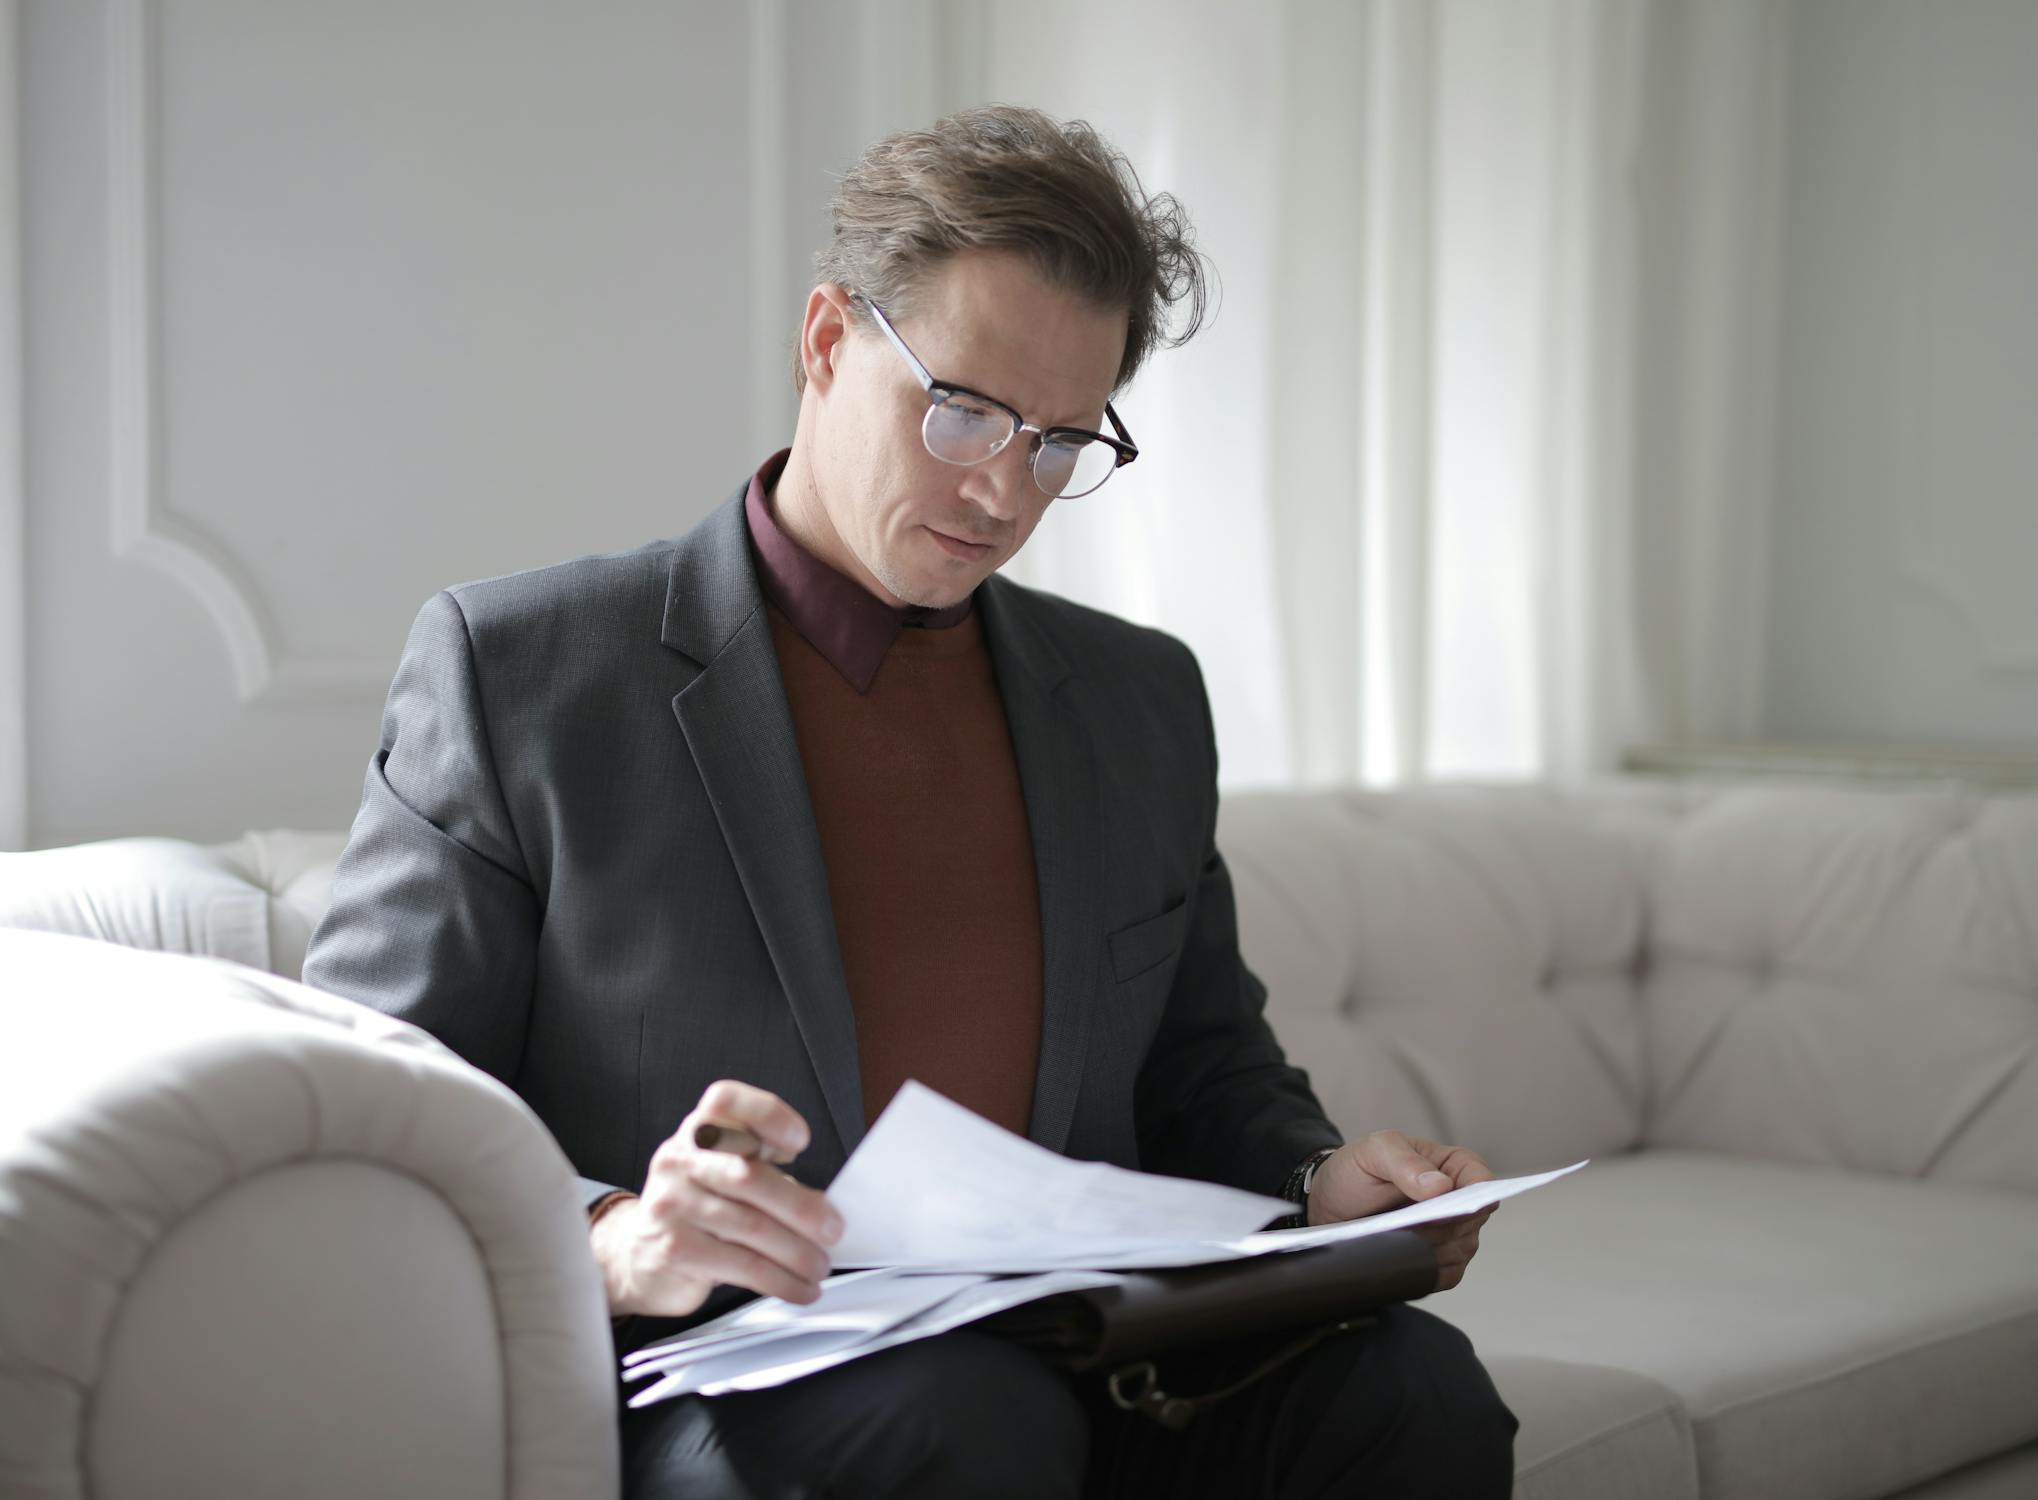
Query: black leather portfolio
[[1154, 1312]]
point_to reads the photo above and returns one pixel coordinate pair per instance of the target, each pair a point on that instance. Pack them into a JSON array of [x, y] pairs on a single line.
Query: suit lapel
[[1058, 779], [737, 723]]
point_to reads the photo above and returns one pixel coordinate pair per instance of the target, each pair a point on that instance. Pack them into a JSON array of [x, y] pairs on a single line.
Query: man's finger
[[744, 1224], [1452, 1230], [732, 1264], [729, 1101], [1406, 1167], [800, 1208], [1465, 1167]]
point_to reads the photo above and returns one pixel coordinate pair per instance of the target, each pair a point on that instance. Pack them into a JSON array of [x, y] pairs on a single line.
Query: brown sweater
[[930, 865]]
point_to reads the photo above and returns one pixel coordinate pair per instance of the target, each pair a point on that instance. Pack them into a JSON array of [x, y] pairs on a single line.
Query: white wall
[[1201, 414], [13, 504], [328, 306], [1904, 577]]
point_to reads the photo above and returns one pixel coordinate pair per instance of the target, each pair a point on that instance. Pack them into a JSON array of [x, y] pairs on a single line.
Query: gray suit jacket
[[586, 861]]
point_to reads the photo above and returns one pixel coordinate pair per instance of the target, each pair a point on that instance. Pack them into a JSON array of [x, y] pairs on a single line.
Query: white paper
[[789, 1358], [933, 1184], [1452, 1205], [720, 1370], [859, 1302], [1142, 1255], [936, 1198], [1162, 1254]]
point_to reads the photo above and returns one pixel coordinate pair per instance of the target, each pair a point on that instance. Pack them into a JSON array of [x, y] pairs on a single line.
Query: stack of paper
[[958, 1219], [769, 1342]]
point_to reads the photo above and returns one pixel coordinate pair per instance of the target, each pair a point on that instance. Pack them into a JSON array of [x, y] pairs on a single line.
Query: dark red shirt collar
[[836, 615]]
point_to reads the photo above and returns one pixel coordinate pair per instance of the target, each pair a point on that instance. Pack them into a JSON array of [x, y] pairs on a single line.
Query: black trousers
[[1395, 1410]]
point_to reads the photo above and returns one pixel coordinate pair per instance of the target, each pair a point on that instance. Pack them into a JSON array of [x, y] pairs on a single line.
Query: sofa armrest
[[275, 1242]]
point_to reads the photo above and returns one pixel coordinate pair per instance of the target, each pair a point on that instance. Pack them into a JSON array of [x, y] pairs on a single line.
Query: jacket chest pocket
[[1149, 942]]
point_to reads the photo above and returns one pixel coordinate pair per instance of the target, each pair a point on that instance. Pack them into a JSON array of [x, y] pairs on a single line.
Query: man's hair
[[1004, 178]]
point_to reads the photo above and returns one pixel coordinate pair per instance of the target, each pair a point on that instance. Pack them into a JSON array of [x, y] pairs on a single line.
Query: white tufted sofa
[[1796, 1028]]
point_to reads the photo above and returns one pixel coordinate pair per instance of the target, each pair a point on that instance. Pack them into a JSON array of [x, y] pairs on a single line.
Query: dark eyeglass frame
[[939, 390]]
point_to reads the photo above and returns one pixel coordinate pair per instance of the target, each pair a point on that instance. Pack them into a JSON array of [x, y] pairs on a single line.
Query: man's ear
[[822, 333]]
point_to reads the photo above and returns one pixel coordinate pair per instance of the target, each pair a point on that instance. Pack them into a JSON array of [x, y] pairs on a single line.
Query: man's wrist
[[1296, 1188], [610, 1290]]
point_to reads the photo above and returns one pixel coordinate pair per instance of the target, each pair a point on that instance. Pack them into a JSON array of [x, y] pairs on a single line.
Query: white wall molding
[[13, 474], [144, 530]]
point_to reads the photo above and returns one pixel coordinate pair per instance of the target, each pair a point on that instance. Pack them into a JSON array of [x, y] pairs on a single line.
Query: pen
[[731, 1138]]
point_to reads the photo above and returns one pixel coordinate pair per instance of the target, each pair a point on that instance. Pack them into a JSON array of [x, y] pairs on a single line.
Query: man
[[752, 826]]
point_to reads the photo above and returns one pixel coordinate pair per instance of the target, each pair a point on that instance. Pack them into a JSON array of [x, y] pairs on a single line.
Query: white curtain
[[1188, 537], [1389, 494]]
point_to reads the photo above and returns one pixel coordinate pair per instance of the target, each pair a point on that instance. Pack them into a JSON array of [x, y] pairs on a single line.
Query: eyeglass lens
[[962, 430]]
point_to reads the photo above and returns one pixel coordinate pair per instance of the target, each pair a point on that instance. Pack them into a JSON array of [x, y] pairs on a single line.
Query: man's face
[[927, 531]]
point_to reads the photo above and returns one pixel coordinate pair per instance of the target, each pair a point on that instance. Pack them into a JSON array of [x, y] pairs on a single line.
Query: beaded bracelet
[[1296, 1188]]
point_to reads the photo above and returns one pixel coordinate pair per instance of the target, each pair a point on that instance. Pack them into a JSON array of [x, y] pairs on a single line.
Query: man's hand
[[1390, 1170], [708, 1217]]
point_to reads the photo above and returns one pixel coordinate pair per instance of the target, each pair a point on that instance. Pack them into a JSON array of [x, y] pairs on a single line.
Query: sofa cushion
[[2007, 1476], [1455, 962], [1849, 978], [157, 893], [253, 901], [1830, 1333], [1588, 1430], [1833, 975], [294, 869]]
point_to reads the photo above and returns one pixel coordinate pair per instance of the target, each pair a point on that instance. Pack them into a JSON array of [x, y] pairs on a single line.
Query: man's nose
[[999, 485]]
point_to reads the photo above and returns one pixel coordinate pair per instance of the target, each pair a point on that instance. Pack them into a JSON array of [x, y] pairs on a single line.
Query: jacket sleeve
[[1216, 1097], [433, 917]]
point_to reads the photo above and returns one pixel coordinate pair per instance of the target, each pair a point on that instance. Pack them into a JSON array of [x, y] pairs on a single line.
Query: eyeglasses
[[963, 426]]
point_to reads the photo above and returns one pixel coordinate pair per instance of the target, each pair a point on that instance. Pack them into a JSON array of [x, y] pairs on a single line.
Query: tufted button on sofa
[[1794, 1026]]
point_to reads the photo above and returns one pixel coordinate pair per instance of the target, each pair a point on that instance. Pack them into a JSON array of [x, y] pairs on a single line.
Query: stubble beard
[[899, 587], [880, 565]]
